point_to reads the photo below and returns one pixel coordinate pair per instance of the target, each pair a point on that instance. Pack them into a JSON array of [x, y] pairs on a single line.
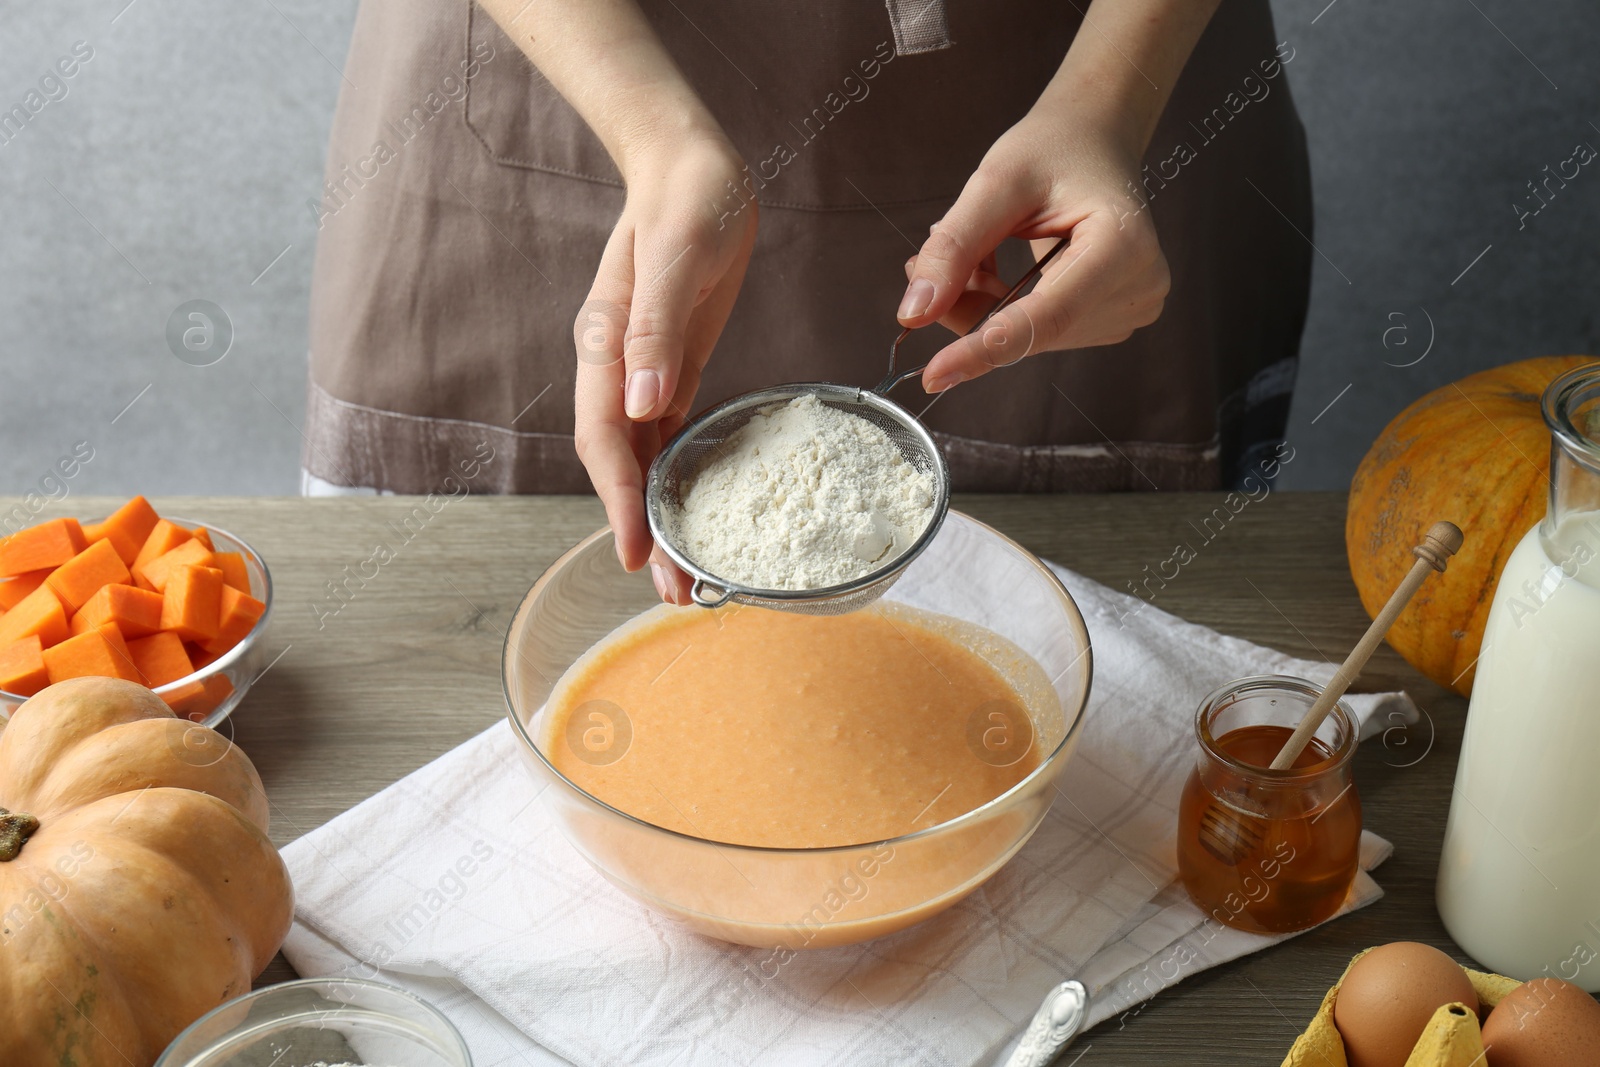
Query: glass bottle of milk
[[1519, 875]]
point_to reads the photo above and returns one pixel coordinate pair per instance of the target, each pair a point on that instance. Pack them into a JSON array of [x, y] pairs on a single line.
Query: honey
[[1261, 850]]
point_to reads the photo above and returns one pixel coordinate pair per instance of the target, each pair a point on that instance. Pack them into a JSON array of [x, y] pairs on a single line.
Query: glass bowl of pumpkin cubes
[[166, 602]]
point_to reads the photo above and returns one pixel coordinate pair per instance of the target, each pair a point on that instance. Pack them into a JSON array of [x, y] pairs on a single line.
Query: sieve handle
[[892, 379], [697, 593]]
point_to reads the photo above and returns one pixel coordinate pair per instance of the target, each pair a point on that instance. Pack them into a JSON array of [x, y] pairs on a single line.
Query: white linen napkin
[[456, 884]]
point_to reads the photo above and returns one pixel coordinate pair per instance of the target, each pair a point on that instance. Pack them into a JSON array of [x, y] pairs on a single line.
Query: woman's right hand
[[666, 284], [670, 271]]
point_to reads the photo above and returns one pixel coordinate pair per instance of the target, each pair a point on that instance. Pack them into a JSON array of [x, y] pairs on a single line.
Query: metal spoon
[[1054, 1025]]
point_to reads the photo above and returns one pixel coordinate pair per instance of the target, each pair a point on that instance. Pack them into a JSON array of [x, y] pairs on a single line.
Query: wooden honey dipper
[[1225, 833], [1443, 541]]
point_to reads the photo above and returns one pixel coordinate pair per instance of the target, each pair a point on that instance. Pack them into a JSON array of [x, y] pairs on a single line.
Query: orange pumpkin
[[1475, 452], [138, 888]]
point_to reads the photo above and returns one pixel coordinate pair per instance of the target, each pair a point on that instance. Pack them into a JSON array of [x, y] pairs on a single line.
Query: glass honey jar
[[1263, 850]]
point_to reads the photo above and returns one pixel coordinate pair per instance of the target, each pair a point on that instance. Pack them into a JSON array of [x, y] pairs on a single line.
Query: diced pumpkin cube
[[164, 537], [12, 590], [47, 544], [199, 656], [127, 528], [196, 700], [186, 696], [82, 576], [155, 573], [192, 603], [37, 614], [135, 612], [234, 571], [99, 653], [218, 689], [238, 617], [160, 658], [22, 669]]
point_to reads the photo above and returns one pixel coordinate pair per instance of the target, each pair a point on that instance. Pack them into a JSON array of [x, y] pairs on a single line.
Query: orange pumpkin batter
[[759, 727]]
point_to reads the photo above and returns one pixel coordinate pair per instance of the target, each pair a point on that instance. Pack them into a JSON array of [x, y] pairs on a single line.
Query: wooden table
[[409, 667]]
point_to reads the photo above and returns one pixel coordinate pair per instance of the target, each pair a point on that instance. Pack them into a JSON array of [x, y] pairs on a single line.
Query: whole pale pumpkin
[[1477, 453], [138, 888]]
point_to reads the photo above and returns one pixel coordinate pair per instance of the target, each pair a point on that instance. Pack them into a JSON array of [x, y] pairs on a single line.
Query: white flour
[[803, 496]]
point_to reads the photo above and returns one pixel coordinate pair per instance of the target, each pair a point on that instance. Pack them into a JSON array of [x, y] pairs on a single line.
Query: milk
[[1519, 874]]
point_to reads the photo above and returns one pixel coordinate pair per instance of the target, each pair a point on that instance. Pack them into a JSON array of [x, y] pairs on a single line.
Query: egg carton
[[1451, 1039]]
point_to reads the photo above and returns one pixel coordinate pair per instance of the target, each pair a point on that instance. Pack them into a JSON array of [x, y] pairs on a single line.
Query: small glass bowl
[[320, 1020], [209, 695], [799, 898]]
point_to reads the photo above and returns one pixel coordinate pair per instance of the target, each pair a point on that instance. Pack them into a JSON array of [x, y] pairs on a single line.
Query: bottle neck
[[1571, 526]]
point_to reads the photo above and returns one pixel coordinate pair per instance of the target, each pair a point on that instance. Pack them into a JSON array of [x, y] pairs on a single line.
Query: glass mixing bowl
[[809, 897]]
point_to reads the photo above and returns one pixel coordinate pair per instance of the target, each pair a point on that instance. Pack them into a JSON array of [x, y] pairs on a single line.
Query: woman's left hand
[[1045, 178]]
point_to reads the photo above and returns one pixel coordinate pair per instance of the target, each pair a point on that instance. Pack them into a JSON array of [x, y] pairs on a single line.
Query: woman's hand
[[1041, 180], [666, 283], [1069, 168], [673, 265]]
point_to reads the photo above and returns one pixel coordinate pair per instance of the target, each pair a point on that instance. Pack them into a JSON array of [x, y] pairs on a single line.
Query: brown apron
[[467, 205]]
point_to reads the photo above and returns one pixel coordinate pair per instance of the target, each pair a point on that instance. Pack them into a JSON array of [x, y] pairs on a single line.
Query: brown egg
[[1543, 1023], [1388, 997]]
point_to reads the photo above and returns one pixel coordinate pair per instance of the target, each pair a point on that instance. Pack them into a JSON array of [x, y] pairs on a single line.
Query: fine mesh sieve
[[674, 469]]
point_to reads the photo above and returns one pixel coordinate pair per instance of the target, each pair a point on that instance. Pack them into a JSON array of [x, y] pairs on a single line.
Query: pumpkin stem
[[15, 829]]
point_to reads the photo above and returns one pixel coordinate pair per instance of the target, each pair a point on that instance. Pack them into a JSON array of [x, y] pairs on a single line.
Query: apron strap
[[919, 26]]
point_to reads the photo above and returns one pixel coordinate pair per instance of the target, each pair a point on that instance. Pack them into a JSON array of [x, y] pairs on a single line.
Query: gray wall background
[[178, 164]]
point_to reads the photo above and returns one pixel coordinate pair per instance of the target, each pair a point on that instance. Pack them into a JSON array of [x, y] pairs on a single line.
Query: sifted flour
[[803, 496]]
